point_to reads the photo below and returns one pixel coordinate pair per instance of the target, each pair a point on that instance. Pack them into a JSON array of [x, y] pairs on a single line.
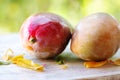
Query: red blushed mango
[[96, 37], [45, 35]]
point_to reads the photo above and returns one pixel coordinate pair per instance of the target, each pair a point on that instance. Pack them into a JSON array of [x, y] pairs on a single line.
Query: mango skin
[[45, 35], [96, 37]]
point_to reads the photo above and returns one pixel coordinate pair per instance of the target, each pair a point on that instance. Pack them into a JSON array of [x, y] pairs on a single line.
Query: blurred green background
[[14, 12]]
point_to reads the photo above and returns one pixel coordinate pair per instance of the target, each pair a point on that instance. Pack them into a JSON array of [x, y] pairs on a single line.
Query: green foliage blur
[[14, 12]]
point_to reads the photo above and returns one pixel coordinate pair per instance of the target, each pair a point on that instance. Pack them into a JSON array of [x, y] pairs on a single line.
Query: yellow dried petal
[[116, 62], [94, 64], [16, 58], [8, 55], [21, 61]]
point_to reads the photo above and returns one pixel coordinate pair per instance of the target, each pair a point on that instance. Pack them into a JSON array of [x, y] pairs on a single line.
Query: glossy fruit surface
[[96, 37], [45, 35]]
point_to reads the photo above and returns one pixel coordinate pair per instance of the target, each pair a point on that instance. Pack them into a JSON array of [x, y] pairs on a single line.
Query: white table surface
[[53, 71]]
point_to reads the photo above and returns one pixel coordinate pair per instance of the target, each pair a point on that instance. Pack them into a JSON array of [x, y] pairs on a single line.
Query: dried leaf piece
[[4, 62], [8, 55], [59, 60], [21, 61], [94, 64], [116, 61]]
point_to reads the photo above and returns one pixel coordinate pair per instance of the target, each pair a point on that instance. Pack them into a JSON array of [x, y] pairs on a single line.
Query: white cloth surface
[[53, 71]]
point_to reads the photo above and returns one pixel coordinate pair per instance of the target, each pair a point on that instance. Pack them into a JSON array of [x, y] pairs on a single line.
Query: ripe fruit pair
[[95, 38]]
